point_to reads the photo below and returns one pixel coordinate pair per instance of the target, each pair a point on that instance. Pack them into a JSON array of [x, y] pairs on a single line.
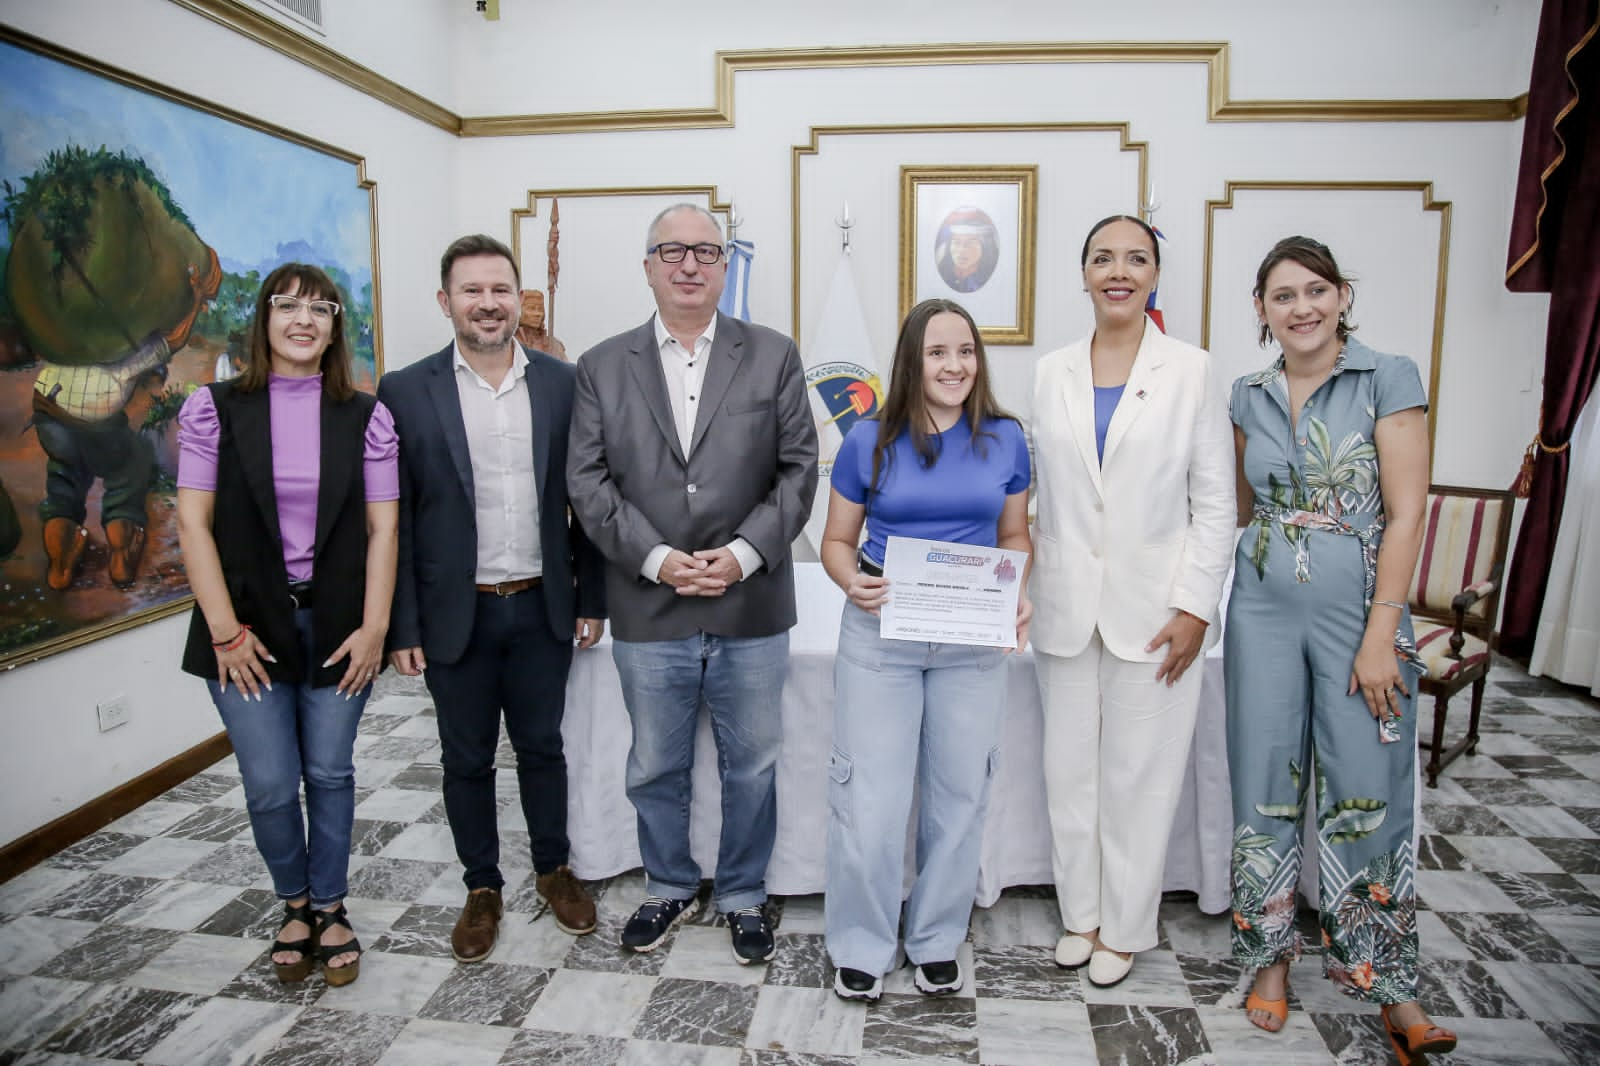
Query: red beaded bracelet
[[232, 642]]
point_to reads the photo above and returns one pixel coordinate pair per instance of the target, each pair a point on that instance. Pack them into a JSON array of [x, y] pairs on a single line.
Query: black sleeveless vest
[[245, 525]]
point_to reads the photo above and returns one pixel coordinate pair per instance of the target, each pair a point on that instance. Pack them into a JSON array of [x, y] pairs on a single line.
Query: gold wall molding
[[1441, 275], [814, 146], [250, 22], [531, 210]]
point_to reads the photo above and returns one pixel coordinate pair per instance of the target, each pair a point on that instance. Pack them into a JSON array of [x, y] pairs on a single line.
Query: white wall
[[569, 55], [52, 756], [1492, 343]]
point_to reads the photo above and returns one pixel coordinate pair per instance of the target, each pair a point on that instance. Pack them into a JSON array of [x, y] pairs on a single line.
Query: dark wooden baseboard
[[32, 849]]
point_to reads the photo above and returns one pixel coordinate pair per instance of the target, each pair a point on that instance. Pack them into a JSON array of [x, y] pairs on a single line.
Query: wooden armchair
[[1455, 597]]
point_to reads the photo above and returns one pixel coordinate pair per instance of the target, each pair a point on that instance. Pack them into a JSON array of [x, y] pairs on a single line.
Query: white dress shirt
[[499, 425], [685, 371]]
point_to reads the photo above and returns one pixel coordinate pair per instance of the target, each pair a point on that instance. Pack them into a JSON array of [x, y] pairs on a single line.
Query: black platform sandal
[[300, 969], [337, 975]]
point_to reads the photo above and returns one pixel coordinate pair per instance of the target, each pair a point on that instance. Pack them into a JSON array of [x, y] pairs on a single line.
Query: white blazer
[[1126, 543]]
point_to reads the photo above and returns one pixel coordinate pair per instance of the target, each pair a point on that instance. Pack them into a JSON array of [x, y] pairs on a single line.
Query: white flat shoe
[[1072, 951], [1107, 968]]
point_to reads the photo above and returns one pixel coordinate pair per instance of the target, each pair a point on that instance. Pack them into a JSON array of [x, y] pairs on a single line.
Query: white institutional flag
[[841, 379]]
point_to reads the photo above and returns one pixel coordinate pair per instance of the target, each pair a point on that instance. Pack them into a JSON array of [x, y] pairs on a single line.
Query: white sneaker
[[1107, 968], [1072, 951]]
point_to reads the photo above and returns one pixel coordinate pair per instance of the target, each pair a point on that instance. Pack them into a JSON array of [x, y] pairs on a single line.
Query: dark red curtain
[[1555, 248]]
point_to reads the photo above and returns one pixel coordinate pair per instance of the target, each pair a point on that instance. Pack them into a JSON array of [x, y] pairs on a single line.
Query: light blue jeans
[[740, 680], [907, 716], [298, 733]]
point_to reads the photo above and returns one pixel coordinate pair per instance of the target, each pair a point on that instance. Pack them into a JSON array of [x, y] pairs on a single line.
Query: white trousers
[[1116, 742]]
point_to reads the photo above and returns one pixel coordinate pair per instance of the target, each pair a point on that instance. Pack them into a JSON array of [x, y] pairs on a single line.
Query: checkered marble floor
[[147, 943]]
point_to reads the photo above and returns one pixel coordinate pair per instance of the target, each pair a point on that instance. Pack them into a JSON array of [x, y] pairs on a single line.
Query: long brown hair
[[906, 405], [1315, 257], [338, 377]]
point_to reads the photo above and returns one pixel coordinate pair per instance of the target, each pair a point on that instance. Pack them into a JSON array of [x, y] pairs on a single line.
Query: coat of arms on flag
[[841, 393]]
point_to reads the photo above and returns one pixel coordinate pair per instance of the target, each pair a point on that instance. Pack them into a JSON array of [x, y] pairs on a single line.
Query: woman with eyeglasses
[[1332, 446], [942, 462], [287, 519]]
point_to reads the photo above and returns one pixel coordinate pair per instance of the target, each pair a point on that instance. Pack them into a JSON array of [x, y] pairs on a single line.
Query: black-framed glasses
[[674, 251], [289, 305]]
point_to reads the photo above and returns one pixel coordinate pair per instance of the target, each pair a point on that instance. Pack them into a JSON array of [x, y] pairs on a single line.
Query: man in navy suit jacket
[[494, 581]]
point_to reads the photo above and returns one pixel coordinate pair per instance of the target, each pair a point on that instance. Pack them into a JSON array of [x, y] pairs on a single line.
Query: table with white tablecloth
[[1016, 846]]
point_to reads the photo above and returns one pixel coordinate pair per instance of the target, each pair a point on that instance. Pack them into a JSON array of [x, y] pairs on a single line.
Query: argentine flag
[[735, 301]]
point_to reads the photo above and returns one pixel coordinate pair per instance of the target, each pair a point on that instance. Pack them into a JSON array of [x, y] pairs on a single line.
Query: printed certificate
[[951, 593]]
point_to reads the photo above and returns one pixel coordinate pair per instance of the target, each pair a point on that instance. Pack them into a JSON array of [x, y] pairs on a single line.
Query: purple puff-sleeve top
[[296, 406]]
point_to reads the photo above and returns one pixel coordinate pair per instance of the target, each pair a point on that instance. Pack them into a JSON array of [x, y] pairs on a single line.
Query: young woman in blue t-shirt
[[942, 462]]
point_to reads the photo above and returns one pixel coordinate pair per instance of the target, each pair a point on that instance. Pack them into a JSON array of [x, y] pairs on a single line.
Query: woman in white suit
[[1132, 546]]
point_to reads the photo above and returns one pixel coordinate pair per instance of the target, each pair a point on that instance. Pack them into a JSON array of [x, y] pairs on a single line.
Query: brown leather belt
[[511, 588]]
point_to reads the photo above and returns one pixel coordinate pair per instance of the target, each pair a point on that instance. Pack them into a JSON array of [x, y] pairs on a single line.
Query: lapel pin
[[1140, 394]]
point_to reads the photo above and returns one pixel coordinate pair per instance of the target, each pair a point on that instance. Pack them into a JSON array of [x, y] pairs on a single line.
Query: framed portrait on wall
[[136, 226], [967, 234]]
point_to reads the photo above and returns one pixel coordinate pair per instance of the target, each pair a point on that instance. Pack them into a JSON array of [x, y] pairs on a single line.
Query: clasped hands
[[708, 572]]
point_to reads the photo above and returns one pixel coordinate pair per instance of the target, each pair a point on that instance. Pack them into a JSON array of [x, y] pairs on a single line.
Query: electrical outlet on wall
[[113, 712]]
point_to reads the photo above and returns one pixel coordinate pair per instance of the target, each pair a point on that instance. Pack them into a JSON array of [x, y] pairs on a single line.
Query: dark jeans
[[515, 664], [110, 451]]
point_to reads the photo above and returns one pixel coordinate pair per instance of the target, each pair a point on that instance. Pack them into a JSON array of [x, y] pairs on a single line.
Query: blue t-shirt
[[1106, 398], [958, 499]]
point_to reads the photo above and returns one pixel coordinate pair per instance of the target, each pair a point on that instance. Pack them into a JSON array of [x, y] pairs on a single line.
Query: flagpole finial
[[734, 221], [1151, 205], [845, 224]]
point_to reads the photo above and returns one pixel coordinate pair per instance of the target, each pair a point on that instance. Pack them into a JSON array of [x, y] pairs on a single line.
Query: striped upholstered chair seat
[[1433, 644], [1455, 597]]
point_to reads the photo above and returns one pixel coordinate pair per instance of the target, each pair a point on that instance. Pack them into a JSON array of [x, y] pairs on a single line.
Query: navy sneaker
[[752, 936], [857, 984], [938, 978], [654, 919]]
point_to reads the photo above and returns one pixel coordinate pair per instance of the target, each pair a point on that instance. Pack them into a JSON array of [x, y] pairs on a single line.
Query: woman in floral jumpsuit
[[1333, 474]]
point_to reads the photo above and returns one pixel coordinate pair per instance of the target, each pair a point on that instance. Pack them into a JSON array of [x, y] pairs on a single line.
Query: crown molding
[[249, 21]]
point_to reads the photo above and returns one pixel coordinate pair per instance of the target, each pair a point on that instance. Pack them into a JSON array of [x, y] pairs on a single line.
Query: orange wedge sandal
[[1411, 1044], [1278, 1008]]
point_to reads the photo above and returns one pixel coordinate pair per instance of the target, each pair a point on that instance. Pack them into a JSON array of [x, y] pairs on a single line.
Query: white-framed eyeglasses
[[674, 251], [324, 310]]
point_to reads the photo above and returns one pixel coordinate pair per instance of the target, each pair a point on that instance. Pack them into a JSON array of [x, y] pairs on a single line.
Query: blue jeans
[[907, 716], [298, 733], [740, 680]]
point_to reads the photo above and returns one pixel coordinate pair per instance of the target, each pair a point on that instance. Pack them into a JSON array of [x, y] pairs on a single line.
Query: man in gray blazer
[[692, 465]]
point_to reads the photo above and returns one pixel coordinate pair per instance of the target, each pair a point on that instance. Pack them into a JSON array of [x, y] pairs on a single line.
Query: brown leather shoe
[[478, 926], [126, 540], [567, 899], [64, 541]]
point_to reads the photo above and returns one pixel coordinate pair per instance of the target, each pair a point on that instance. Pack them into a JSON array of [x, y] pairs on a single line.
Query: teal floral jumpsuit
[[1302, 585]]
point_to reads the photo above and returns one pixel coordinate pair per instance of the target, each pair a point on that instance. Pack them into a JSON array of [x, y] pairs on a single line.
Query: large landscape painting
[[135, 227]]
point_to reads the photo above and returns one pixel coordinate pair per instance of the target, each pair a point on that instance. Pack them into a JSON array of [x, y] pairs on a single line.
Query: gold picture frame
[[192, 146], [967, 234]]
